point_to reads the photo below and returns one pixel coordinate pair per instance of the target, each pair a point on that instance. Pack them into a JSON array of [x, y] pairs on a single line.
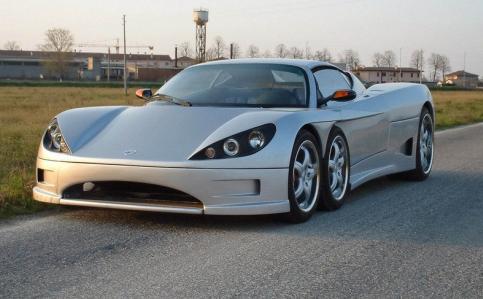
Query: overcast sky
[[447, 27]]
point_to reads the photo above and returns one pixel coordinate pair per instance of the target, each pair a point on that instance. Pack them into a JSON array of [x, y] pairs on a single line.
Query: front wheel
[[304, 178]]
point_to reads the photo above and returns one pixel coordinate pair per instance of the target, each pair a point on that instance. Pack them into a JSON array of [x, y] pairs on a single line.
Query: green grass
[[455, 108], [26, 111], [24, 114]]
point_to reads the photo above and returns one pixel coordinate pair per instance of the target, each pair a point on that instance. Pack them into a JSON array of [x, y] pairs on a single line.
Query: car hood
[[155, 132]]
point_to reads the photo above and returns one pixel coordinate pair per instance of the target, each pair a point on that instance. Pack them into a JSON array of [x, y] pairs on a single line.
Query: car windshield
[[248, 85]]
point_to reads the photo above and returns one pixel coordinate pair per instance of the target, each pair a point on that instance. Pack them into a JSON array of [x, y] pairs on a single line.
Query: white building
[[374, 75]]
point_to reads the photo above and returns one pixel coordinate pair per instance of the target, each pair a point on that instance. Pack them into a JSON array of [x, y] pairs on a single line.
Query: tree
[[211, 54], [253, 51], [438, 64], [236, 51], [350, 58], [267, 54], [444, 66], [12, 46], [417, 60], [389, 59], [281, 51], [435, 63], [378, 59], [308, 52], [185, 49], [296, 53], [323, 55], [219, 46], [58, 42]]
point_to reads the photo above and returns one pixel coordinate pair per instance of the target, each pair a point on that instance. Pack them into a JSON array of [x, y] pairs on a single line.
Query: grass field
[[24, 114], [26, 111]]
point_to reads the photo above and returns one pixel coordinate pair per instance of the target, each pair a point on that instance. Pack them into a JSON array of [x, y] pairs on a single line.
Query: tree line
[[438, 64], [59, 42]]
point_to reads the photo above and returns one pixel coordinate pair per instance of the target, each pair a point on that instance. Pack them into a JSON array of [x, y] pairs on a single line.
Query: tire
[[424, 148], [335, 172], [304, 178]]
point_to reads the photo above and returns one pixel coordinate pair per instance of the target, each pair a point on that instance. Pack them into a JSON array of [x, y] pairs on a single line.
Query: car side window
[[331, 80]]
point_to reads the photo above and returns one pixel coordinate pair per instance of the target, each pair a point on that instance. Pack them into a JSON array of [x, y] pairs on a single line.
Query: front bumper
[[221, 191]]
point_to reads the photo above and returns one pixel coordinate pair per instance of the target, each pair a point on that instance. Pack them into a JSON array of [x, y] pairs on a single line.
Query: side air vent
[[407, 147]]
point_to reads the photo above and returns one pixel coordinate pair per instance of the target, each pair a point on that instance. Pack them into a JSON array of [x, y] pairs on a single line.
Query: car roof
[[284, 61]]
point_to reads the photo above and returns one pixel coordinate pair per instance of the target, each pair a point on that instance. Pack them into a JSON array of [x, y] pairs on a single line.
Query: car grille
[[131, 192]]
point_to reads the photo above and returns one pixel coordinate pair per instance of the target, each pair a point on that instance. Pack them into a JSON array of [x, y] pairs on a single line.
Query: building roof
[[186, 58], [386, 69], [45, 54], [462, 74]]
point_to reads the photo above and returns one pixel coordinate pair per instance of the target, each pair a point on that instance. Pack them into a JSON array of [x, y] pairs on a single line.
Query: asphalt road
[[392, 239]]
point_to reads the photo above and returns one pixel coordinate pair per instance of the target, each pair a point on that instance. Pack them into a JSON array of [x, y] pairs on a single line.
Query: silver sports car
[[239, 137]]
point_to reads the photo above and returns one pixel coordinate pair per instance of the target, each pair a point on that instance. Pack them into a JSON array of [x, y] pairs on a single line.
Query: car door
[[366, 131]]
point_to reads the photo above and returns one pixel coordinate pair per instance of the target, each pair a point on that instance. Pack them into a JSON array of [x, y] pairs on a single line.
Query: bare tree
[[219, 46], [186, 49], [444, 67], [210, 54], [350, 58], [417, 59], [281, 51], [267, 54], [12, 46], [253, 51], [323, 55], [434, 62], [378, 59], [59, 43], [389, 59], [236, 50], [308, 52], [296, 53]]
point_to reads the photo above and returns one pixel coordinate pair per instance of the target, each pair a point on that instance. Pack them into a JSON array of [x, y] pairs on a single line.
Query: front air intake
[[130, 192]]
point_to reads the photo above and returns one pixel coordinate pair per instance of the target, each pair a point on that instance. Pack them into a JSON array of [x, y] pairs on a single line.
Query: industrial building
[[462, 79], [90, 66]]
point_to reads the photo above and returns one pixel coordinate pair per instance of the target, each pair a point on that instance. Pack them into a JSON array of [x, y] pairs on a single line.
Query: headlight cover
[[239, 145], [53, 139]]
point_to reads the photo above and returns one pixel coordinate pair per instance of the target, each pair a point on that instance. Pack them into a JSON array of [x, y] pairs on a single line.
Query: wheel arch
[[429, 105], [430, 108], [310, 128], [322, 134]]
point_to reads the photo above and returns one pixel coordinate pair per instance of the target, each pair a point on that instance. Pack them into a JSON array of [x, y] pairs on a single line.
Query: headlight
[[239, 145], [256, 139], [53, 139], [231, 147]]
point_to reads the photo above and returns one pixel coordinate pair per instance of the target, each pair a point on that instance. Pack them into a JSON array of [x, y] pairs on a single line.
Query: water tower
[[200, 17]]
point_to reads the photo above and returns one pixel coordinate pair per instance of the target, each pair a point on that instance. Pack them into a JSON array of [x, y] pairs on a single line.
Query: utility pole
[[125, 66], [400, 64], [420, 54], [108, 64], [231, 51], [464, 71], [176, 56]]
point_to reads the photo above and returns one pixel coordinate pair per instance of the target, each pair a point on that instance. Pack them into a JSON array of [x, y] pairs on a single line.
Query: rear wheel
[[335, 172], [304, 178]]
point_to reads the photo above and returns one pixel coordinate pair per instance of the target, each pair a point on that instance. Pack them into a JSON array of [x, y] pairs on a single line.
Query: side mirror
[[144, 93], [343, 95]]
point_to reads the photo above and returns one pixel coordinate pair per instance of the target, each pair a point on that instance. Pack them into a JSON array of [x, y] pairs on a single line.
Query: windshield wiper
[[171, 99]]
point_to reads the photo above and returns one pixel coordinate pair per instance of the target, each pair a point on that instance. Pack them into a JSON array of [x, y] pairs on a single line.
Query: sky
[[452, 28]]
